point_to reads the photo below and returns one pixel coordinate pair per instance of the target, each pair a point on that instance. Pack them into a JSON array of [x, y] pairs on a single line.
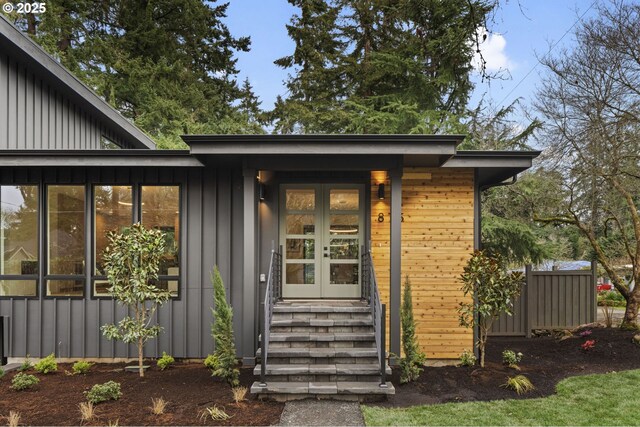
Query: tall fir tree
[[224, 357]]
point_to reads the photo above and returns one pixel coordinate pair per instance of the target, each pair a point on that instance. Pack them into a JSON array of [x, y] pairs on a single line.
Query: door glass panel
[[344, 274], [301, 224], [344, 224], [301, 249], [344, 199], [344, 248], [300, 199], [301, 274]]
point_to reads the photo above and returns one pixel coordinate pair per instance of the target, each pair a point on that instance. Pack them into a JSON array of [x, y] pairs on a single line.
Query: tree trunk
[[630, 320], [140, 349], [482, 342]]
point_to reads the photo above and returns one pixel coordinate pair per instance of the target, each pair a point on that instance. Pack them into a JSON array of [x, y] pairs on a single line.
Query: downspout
[[478, 242]]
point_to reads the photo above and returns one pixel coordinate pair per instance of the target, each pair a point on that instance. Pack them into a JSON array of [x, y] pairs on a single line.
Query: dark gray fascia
[[13, 41], [98, 158]]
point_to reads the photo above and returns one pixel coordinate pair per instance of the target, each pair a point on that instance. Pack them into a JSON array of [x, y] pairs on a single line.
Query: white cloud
[[493, 52]]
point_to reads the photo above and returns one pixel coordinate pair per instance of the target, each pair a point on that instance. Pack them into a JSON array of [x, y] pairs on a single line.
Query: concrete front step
[[323, 388], [302, 352], [333, 369], [302, 308], [320, 336], [366, 321]]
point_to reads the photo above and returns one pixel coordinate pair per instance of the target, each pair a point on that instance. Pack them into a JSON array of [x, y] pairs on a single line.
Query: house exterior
[[72, 169]]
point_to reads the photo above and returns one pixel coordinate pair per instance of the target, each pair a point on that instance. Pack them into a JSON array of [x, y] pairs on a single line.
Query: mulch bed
[[546, 361], [189, 389]]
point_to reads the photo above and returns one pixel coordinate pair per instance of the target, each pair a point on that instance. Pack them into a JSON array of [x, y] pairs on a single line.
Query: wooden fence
[[559, 299]]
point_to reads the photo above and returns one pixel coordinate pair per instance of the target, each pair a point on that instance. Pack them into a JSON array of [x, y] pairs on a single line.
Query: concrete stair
[[321, 349]]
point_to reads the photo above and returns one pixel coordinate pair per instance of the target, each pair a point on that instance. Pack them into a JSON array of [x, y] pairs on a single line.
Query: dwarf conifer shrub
[[103, 392], [23, 381], [224, 358], [47, 365], [413, 362]]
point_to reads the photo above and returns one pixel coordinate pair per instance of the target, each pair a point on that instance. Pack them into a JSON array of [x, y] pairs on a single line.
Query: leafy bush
[[413, 362], [224, 358], [132, 261], [81, 367], [103, 392], [588, 345], [611, 299], [165, 361], [26, 364], [520, 384], [511, 358], [467, 358], [490, 290], [46, 365], [1, 372], [209, 361], [23, 381]]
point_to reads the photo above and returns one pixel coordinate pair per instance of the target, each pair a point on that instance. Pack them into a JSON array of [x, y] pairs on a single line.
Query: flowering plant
[[588, 345], [585, 333]]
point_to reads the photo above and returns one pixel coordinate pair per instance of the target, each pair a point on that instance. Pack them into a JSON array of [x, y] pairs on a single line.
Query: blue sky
[[521, 30]]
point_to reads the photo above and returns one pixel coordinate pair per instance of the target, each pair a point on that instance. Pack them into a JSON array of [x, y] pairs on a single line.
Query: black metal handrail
[[273, 293], [371, 294]]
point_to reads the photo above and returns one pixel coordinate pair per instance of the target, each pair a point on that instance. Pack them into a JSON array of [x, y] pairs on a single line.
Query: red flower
[[588, 345]]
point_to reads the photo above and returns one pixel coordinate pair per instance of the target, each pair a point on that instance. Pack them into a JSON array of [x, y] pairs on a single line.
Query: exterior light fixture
[[262, 190], [381, 191]]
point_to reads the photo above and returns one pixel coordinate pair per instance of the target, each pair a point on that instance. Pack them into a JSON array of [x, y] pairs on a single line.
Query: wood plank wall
[[437, 239]]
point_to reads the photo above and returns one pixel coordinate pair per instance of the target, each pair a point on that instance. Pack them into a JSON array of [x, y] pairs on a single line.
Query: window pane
[[344, 224], [344, 199], [300, 224], [161, 210], [344, 248], [301, 274], [170, 285], [66, 229], [65, 288], [112, 213], [301, 249], [303, 199], [101, 288], [344, 274], [18, 288], [19, 229]]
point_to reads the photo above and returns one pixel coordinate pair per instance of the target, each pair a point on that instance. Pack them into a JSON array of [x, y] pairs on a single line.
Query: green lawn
[[606, 399]]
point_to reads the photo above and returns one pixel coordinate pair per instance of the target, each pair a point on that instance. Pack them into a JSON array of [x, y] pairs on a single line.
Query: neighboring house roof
[[15, 43], [10, 254]]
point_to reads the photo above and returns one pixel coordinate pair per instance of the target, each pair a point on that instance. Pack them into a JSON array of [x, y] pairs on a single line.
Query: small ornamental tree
[[491, 290], [224, 357], [132, 261], [412, 364]]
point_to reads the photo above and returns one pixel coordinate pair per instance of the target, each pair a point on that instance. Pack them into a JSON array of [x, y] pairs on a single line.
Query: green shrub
[[47, 365], [467, 358], [26, 364], [165, 361], [224, 358], [209, 361], [23, 381], [611, 299], [81, 367], [511, 358], [413, 362], [103, 392], [1, 372]]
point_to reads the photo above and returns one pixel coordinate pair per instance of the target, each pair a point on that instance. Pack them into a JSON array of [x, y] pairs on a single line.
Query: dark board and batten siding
[[36, 116], [211, 224]]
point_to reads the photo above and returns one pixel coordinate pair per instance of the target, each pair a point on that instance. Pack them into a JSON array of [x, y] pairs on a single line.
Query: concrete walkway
[[321, 413]]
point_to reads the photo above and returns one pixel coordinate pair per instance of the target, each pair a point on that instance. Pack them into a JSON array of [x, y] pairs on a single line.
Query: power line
[[547, 54]]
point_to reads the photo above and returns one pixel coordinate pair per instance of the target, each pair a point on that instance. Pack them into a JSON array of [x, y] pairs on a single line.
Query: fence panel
[[551, 300]]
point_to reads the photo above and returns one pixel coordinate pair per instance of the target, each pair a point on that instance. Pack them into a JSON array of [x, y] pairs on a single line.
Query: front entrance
[[321, 229]]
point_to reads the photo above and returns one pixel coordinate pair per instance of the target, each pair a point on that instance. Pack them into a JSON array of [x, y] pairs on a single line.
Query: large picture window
[[18, 240], [160, 208], [112, 212], [65, 240]]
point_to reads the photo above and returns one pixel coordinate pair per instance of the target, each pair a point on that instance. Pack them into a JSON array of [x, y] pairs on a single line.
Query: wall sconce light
[[262, 190], [381, 191]]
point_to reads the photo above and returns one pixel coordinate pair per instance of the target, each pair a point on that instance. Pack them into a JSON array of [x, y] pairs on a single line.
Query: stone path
[[321, 413]]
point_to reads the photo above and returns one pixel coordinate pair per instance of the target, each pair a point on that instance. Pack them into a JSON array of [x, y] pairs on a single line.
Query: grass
[[604, 399]]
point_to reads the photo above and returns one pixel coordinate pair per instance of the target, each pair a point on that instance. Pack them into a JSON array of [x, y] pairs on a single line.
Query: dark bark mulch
[[189, 389], [546, 361]]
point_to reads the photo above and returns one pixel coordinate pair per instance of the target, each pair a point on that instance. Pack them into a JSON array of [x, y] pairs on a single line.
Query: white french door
[[321, 230]]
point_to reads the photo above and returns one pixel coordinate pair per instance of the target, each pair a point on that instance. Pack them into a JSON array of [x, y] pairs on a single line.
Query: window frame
[[39, 245]]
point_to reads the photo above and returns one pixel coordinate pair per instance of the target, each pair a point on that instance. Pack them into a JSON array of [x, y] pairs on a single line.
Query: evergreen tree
[[167, 65], [412, 364], [224, 357]]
